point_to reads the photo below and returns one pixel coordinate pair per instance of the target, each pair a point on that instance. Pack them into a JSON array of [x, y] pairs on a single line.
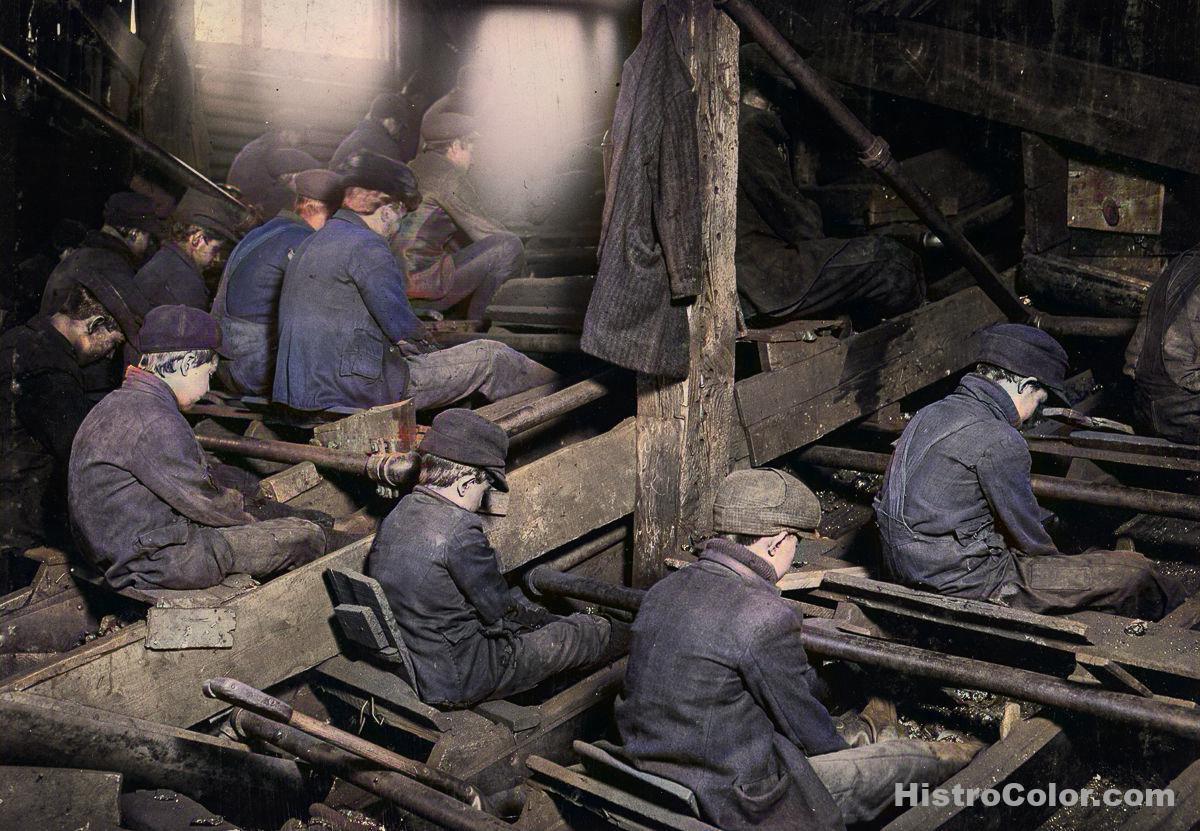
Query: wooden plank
[[1086, 103], [683, 427], [48, 798], [791, 407], [1182, 815], [1084, 287], [1045, 172], [562, 496], [1035, 752]]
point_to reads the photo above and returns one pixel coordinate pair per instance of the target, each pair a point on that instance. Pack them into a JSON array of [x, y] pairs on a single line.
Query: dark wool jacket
[[371, 135], [725, 703], [781, 244], [42, 403], [1164, 353], [453, 607], [957, 506], [139, 483], [171, 278], [650, 244], [249, 172]]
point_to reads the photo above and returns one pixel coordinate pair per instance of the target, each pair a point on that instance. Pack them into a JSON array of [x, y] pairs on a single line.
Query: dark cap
[[761, 502], [468, 438], [389, 105], [443, 127], [210, 213], [284, 160], [179, 329], [320, 184], [373, 171], [1027, 351], [133, 210], [120, 297]]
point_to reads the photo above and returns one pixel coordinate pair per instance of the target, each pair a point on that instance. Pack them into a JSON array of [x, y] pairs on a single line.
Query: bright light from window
[[349, 28], [219, 21]]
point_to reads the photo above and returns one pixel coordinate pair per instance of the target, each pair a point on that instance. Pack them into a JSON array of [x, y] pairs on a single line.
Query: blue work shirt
[[957, 506], [343, 308], [170, 278]]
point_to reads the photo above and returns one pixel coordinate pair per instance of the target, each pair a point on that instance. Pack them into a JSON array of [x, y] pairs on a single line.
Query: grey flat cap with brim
[[763, 502]]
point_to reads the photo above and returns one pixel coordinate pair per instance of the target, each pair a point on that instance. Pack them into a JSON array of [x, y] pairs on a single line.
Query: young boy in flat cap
[[957, 512], [470, 639], [247, 301], [203, 231], [727, 703], [450, 247], [144, 506], [348, 336]]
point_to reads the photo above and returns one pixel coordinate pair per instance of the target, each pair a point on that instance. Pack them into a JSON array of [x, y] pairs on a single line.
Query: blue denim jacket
[[342, 310], [957, 507]]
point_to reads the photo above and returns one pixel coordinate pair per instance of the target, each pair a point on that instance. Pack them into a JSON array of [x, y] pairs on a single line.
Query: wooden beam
[[1181, 815], [1084, 287], [793, 406], [683, 427], [1045, 172], [1086, 103]]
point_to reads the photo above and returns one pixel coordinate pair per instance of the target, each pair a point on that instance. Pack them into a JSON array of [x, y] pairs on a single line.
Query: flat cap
[[284, 160], [127, 209], [468, 438], [373, 171], [762, 502], [442, 127], [210, 213], [120, 297], [1027, 351], [389, 105], [320, 184], [178, 329]]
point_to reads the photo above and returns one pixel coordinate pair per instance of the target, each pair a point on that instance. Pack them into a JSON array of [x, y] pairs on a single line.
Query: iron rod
[[875, 154], [1026, 685], [1161, 503], [421, 800], [559, 403], [394, 469], [184, 172]]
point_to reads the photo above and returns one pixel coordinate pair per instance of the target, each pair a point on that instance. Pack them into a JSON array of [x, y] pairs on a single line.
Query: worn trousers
[[862, 780], [493, 369], [1118, 582], [569, 643], [479, 270], [869, 279]]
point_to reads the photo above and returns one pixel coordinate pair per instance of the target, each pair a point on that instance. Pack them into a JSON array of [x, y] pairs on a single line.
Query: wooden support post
[[1045, 172], [683, 427]]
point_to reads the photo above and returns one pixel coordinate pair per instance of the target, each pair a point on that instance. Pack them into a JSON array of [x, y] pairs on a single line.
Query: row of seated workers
[[727, 705]]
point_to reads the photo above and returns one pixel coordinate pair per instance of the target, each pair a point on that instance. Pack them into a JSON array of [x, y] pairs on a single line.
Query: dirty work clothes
[[109, 257], [171, 278], [956, 505], [342, 310], [249, 172], [470, 639], [862, 780], [144, 507], [725, 704], [786, 267], [42, 403], [371, 135], [449, 246], [247, 301], [957, 515], [650, 242], [492, 369], [1164, 355]]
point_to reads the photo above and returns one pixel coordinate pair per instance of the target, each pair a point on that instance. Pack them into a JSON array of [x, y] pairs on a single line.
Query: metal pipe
[[420, 800], [559, 403], [1004, 680], [1071, 326], [875, 154], [582, 553], [388, 468], [184, 172], [1162, 503]]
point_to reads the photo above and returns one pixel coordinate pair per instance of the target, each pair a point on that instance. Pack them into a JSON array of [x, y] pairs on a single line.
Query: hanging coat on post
[[650, 245]]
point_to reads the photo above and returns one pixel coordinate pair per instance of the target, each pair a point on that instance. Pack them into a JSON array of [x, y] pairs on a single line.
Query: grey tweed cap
[[762, 502]]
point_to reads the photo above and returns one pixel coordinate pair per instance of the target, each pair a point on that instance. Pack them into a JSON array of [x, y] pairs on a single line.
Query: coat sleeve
[[676, 197], [780, 678], [464, 206], [1134, 350], [1003, 473], [171, 465], [472, 566], [384, 289], [51, 407], [1181, 346]]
